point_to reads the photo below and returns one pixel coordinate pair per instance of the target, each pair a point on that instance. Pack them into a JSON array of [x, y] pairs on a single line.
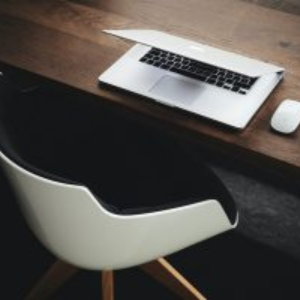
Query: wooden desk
[[62, 40]]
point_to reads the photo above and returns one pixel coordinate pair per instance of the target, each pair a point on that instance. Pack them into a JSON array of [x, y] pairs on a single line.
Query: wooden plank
[[289, 6], [238, 27], [78, 20]]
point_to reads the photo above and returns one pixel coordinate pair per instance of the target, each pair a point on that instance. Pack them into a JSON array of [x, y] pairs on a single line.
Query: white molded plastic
[[74, 226], [286, 117]]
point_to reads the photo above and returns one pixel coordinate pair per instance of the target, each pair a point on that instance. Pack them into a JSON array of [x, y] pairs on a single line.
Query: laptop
[[219, 85]]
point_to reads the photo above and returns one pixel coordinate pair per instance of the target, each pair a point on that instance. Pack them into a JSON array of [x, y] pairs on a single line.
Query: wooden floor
[[289, 6]]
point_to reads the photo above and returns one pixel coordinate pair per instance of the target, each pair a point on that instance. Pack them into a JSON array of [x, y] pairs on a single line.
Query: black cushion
[[131, 167]]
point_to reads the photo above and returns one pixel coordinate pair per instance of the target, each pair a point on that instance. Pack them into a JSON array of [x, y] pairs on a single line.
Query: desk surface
[[62, 40]]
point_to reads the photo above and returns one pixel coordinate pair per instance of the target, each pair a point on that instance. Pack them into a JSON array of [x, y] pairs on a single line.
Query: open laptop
[[210, 82]]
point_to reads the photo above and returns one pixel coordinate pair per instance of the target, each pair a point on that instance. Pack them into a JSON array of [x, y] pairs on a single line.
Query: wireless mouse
[[286, 117]]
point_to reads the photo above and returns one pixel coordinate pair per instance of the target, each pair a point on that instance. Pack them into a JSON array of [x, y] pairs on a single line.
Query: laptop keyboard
[[210, 74]]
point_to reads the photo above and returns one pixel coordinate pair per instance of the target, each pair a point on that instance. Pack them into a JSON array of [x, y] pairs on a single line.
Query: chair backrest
[[75, 226], [66, 218]]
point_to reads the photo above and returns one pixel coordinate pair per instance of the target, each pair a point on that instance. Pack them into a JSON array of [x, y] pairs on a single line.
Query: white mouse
[[286, 117]]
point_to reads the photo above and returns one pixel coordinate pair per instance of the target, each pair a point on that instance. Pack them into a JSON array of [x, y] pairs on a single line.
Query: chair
[[126, 198]]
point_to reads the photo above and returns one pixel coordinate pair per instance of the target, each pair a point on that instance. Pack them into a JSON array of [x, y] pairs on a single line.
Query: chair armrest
[[158, 234]]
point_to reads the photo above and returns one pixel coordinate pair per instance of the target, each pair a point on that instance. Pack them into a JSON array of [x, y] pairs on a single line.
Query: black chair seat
[[130, 168]]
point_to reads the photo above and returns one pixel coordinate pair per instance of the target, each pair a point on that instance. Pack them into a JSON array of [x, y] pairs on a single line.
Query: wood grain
[[107, 285], [166, 274], [55, 277], [62, 40], [289, 6]]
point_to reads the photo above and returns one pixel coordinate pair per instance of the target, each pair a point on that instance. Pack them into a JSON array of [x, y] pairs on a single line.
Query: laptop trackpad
[[176, 90]]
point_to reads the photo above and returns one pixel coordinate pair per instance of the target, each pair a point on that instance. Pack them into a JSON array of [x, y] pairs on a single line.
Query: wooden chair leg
[[58, 274], [163, 272], [107, 285]]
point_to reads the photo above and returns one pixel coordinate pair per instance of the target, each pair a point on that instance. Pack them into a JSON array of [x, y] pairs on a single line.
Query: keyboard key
[[164, 66], [245, 86], [206, 73], [212, 81], [202, 78], [179, 71]]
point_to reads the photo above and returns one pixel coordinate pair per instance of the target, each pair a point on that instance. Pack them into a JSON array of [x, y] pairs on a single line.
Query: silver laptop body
[[216, 84]]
